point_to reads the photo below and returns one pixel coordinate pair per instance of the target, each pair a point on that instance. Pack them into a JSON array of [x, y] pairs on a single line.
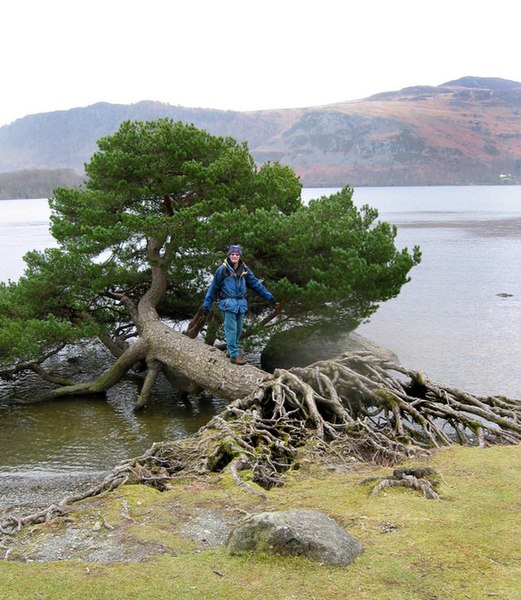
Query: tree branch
[[154, 368], [134, 354]]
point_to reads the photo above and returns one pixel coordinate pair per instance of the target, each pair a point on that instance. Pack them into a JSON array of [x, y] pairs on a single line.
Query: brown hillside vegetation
[[451, 134], [466, 131]]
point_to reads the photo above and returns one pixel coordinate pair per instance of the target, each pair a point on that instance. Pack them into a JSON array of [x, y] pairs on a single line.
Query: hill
[[466, 131]]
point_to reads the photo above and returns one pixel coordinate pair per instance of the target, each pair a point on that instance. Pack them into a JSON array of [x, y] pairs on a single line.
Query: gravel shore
[[24, 494]]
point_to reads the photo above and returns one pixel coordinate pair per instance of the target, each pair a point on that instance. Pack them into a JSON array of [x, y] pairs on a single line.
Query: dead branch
[[196, 324], [43, 374]]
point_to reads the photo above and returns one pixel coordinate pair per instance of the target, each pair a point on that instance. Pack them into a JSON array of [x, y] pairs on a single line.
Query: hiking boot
[[238, 360]]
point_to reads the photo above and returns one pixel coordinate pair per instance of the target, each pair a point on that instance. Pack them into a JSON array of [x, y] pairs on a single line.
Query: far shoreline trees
[[36, 183]]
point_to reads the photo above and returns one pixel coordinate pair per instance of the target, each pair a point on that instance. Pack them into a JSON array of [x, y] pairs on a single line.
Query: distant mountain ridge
[[466, 131]]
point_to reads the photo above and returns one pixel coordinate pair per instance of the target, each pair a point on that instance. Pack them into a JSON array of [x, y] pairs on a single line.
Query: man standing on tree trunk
[[230, 284]]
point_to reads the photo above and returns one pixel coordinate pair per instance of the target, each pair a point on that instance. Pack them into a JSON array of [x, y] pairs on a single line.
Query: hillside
[[466, 131]]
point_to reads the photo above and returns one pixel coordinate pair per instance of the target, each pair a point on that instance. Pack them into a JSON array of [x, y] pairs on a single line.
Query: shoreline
[[25, 494]]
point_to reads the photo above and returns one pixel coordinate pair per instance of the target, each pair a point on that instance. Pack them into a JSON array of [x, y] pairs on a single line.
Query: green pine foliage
[[193, 194], [328, 260]]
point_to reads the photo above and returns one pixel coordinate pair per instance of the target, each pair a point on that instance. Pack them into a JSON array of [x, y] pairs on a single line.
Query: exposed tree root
[[421, 485], [352, 406], [416, 479]]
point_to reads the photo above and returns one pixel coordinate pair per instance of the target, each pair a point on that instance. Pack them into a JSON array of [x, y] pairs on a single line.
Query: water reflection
[[94, 434], [91, 434]]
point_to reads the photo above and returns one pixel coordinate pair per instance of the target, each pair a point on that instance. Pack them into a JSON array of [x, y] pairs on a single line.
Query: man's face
[[235, 257]]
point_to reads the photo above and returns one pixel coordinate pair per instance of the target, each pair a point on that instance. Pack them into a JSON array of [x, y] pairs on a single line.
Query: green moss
[[419, 379], [385, 398]]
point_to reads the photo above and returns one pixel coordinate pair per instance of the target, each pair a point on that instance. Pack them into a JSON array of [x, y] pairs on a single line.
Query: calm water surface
[[458, 320], [24, 226], [449, 322]]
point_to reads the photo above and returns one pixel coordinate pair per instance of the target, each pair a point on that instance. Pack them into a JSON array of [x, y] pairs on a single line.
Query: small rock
[[418, 472]]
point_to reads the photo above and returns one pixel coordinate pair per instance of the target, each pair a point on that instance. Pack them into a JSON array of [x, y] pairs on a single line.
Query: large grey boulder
[[295, 532]]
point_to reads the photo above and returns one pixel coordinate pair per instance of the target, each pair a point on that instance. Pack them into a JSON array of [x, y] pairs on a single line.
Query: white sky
[[244, 54]]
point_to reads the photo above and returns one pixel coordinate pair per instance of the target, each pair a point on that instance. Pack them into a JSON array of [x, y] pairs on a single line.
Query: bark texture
[[203, 364]]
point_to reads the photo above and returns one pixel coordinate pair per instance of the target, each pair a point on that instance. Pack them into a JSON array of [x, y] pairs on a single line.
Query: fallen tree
[[188, 362], [352, 406], [136, 250]]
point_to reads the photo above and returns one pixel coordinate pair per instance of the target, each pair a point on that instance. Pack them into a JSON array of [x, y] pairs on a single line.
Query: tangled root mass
[[353, 406]]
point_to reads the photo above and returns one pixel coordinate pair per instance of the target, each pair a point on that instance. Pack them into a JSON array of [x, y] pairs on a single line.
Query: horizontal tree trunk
[[198, 362]]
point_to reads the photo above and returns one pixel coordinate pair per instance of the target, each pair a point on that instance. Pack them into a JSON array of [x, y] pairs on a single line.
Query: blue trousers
[[232, 331]]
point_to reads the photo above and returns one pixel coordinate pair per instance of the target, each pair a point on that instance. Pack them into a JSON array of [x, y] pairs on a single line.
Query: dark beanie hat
[[234, 248]]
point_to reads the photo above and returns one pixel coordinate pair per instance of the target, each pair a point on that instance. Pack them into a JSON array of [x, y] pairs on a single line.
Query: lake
[[457, 320]]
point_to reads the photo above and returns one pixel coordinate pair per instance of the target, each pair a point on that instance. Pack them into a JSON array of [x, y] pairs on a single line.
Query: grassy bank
[[467, 545]]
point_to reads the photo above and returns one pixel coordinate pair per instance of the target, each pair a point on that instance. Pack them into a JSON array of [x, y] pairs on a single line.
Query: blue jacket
[[230, 287]]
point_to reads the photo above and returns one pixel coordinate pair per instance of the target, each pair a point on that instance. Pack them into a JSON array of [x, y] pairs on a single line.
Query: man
[[230, 284]]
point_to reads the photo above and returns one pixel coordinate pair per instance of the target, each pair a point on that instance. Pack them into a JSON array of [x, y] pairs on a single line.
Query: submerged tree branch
[[154, 368], [118, 370]]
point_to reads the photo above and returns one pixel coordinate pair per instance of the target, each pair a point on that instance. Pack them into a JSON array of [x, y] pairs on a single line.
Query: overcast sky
[[244, 54]]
